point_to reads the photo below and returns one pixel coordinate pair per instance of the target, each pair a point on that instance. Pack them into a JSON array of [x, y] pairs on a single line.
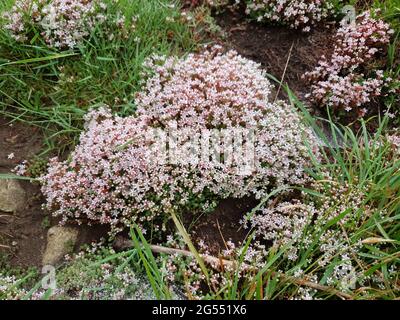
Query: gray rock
[[12, 195], [60, 241]]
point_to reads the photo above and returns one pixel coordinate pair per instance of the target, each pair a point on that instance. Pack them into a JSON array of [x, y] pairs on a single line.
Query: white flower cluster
[[9, 289], [62, 23], [297, 14], [83, 279], [343, 81], [293, 225], [113, 178], [394, 141], [284, 225]]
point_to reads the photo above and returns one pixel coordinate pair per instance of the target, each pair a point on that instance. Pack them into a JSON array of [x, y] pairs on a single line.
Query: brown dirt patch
[[221, 225], [22, 231], [270, 46]]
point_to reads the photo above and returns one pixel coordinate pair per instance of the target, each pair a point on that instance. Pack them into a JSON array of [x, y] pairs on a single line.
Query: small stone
[[60, 241], [12, 195]]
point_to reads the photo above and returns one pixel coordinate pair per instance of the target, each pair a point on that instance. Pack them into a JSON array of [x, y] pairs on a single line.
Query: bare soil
[[22, 231], [23, 235], [284, 53]]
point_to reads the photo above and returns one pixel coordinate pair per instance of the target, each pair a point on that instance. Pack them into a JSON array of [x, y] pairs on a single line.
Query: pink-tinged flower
[[297, 14], [338, 81], [63, 24], [115, 175]]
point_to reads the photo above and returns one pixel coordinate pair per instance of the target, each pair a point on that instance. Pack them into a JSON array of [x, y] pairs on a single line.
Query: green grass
[[148, 261], [389, 11], [53, 90]]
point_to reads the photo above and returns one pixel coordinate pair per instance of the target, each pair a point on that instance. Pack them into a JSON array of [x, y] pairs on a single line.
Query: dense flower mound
[[215, 90], [206, 90], [297, 14], [104, 182], [63, 23], [117, 174], [342, 81]]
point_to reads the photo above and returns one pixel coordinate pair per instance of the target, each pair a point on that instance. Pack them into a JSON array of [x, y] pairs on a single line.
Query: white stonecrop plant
[[343, 80], [297, 14], [63, 24], [114, 175]]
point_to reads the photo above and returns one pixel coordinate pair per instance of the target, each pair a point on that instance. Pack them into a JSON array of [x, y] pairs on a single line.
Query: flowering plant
[[343, 81], [62, 23], [116, 176], [297, 14]]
